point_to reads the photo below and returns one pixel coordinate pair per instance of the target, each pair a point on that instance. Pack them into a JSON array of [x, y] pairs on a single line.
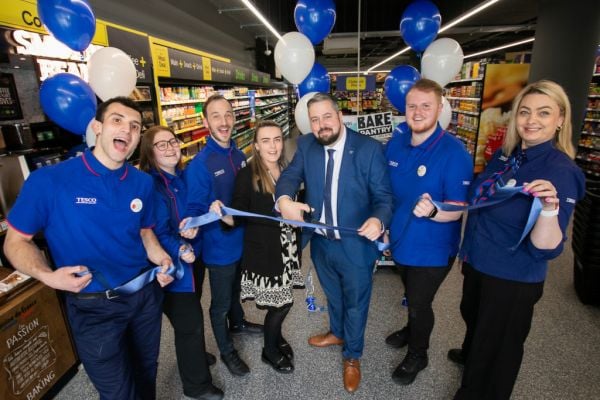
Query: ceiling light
[[506, 46], [452, 23], [469, 14], [261, 18]]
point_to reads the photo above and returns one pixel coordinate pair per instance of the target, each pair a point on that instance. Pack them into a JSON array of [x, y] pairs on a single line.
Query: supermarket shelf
[[188, 144], [592, 109], [594, 96], [191, 128], [583, 158], [237, 121], [179, 118], [463, 98], [177, 102], [589, 147], [236, 97], [238, 134], [587, 171], [241, 108], [271, 114], [467, 80], [476, 114], [590, 133], [271, 104], [592, 120], [271, 95]]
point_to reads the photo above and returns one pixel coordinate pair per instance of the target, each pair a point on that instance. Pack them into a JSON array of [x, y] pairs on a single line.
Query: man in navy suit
[[347, 184]]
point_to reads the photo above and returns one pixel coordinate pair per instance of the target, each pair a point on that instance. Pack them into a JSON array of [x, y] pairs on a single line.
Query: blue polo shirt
[[171, 197], [490, 232], [441, 167], [90, 216], [211, 176]]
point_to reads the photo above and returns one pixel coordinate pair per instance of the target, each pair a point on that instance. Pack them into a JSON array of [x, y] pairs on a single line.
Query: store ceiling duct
[[343, 45]]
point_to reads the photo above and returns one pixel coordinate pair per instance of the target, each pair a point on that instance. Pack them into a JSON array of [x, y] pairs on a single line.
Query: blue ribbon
[[138, 282], [146, 277], [502, 193], [211, 216]]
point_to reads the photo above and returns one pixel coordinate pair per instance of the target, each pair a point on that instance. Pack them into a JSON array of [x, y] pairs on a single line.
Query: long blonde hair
[[261, 179], [564, 136]]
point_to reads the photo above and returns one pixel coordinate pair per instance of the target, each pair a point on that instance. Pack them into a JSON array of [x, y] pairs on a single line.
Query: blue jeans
[[224, 301]]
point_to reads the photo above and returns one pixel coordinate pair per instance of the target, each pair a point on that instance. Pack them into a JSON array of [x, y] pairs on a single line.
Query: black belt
[[108, 294]]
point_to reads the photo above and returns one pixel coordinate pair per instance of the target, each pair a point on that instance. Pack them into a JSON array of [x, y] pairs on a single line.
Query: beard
[[326, 141]]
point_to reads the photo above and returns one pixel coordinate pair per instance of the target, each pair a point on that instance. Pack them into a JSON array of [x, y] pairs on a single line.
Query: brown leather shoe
[[324, 340], [351, 374]]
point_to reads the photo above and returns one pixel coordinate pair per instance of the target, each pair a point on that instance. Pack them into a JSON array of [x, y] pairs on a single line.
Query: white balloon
[[111, 73], [301, 113], [294, 56], [442, 60], [90, 135], [446, 115]]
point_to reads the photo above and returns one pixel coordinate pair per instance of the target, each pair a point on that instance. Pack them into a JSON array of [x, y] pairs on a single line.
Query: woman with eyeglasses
[[160, 156], [270, 262]]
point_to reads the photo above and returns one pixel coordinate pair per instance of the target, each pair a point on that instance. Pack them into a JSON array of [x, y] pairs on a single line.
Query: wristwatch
[[433, 213]]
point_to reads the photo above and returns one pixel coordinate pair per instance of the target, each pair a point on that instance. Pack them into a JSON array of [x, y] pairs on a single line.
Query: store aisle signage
[[379, 124], [350, 83], [180, 64]]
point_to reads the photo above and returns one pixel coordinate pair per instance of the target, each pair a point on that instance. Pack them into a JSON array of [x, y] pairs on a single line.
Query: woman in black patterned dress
[[270, 262]]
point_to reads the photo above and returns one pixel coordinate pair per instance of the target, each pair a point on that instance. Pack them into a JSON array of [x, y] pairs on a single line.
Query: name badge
[[422, 170]]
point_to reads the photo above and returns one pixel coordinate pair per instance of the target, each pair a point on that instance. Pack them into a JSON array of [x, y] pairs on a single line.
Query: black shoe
[[246, 328], [286, 349], [282, 365], [398, 339], [409, 368], [213, 393], [456, 356], [234, 364], [210, 359]]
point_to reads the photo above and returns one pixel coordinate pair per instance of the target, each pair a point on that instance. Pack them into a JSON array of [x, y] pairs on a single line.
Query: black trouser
[[420, 285], [498, 315], [273, 322], [185, 313]]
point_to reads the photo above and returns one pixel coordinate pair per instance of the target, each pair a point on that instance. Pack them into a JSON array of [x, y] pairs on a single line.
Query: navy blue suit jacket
[[364, 189]]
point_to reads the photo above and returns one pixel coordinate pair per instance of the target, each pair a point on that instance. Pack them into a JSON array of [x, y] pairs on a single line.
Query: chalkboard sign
[[10, 108]]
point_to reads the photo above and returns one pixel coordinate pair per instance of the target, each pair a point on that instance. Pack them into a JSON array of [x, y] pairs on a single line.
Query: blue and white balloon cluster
[[441, 60], [65, 98], [295, 55]]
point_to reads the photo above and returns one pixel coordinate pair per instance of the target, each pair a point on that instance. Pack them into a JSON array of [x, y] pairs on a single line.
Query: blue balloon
[[68, 101], [315, 18], [72, 22], [420, 24], [318, 80], [398, 83], [402, 128]]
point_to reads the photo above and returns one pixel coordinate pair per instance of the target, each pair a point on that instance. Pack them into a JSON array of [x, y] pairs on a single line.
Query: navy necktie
[[327, 194]]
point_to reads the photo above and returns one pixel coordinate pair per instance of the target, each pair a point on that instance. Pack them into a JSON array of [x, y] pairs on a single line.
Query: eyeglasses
[[162, 145]]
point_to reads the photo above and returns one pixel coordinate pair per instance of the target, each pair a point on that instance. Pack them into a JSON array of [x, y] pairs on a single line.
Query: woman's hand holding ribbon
[[186, 253], [545, 191], [216, 208], [292, 210], [162, 277], [187, 233]]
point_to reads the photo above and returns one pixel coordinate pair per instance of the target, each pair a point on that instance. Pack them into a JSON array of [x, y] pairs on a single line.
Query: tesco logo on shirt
[[85, 200]]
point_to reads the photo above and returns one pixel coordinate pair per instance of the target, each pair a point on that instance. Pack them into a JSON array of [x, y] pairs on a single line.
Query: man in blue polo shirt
[[425, 163], [211, 176], [96, 212]]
